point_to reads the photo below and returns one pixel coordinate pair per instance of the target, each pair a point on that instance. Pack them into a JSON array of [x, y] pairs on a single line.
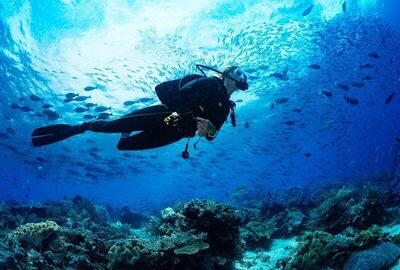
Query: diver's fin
[[51, 134]]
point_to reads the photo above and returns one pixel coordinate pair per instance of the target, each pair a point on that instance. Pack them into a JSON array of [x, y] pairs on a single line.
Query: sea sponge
[[34, 235]]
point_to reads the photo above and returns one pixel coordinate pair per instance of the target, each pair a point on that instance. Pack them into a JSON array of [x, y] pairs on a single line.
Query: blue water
[[125, 48]]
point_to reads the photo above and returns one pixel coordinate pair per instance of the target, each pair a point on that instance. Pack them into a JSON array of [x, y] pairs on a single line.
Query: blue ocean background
[[320, 109]]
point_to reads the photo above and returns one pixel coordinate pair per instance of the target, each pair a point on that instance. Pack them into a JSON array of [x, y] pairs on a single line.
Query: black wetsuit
[[192, 96]]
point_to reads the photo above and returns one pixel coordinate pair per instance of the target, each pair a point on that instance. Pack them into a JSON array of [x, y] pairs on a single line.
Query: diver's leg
[[151, 138], [145, 118]]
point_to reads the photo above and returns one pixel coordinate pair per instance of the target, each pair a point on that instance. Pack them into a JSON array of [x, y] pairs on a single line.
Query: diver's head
[[234, 78]]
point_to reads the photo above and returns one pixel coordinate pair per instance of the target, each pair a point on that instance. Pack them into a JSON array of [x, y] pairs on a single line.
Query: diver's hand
[[204, 127]]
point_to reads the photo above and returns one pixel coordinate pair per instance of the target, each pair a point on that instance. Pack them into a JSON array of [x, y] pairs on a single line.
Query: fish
[[344, 6], [10, 131], [144, 99], [314, 66], [327, 93], [367, 78], [47, 106], [281, 76], [14, 106], [102, 108], [390, 97], [357, 84], [272, 106], [307, 154], [281, 100], [26, 109], [308, 10], [71, 95], [53, 116], [104, 116], [90, 88], [367, 65], [82, 98], [297, 110], [129, 102], [343, 86], [81, 109], [351, 101], [35, 98], [22, 99], [90, 105], [398, 139], [89, 116], [374, 55], [289, 123], [67, 100], [246, 125]]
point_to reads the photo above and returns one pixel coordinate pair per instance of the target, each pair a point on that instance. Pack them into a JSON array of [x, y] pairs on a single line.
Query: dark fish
[[14, 106], [47, 106], [281, 76], [89, 116], [67, 100], [10, 131], [104, 116], [289, 123], [327, 93], [398, 139], [297, 110], [367, 65], [239, 100], [307, 155], [48, 112], [35, 98], [102, 108], [22, 99], [26, 109], [343, 86], [145, 99], [129, 102], [246, 125], [351, 43], [272, 106], [40, 159], [53, 116], [308, 10], [90, 88], [357, 84], [281, 100], [71, 95], [367, 78], [90, 105], [81, 109], [344, 6], [7, 117], [390, 98], [351, 101], [82, 98], [374, 55], [314, 66]]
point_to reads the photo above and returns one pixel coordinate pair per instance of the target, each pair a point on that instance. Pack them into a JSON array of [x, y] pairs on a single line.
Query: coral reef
[[342, 228], [378, 257]]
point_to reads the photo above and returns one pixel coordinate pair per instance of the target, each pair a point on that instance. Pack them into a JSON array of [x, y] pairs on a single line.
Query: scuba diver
[[194, 104]]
